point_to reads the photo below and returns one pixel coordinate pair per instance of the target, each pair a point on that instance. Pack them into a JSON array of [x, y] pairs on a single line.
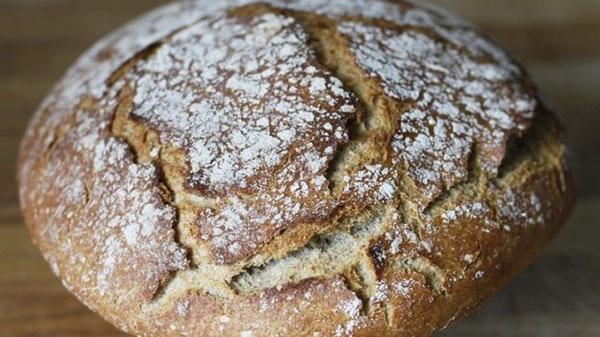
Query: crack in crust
[[146, 147], [474, 182], [327, 254], [374, 124]]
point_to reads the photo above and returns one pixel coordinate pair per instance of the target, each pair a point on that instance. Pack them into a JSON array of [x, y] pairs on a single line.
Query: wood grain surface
[[557, 40]]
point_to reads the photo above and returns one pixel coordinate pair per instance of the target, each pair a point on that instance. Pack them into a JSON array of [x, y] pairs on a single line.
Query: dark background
[[557, 40]]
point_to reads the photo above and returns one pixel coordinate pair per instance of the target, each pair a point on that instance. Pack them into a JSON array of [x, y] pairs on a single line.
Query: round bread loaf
[[292, 168]]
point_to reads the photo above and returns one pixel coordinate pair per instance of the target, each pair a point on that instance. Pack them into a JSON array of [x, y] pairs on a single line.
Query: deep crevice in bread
[[537, 147], [540, 141], [331, 253], [434, 275], [146, 147], [144, 143], [373, 126], [470, 184], [363, 280]]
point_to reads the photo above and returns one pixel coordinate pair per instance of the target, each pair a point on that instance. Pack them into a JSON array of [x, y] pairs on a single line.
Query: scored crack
[[375, 122], [472, 186], [146, 147], [363, 280], [540, 147], [434, 275], [539, 141], [332, 253]]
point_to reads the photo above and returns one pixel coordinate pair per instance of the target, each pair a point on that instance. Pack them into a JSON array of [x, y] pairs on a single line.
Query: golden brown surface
[[24, 73]]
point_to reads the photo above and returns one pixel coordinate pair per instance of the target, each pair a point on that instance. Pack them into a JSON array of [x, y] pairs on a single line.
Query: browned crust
[[451, 257]]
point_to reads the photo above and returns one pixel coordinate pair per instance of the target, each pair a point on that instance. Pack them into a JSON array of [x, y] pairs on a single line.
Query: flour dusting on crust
[[237, 95], [107, 213], [263, 122]]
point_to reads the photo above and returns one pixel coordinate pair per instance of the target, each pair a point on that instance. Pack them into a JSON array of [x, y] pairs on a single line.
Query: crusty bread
[[292, 168]]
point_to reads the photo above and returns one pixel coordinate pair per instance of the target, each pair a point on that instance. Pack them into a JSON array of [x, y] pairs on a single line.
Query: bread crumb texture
[[292, 168]]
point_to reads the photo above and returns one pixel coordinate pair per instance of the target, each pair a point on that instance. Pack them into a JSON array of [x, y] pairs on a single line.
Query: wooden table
[[558, 41]]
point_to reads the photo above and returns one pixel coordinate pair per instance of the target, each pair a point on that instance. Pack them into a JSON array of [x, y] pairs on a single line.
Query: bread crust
[[292, 168]]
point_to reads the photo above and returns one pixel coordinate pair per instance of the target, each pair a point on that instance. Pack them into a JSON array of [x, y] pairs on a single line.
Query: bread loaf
[[292, 168]]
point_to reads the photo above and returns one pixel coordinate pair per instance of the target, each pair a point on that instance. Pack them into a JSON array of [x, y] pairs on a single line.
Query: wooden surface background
[[557, 40]]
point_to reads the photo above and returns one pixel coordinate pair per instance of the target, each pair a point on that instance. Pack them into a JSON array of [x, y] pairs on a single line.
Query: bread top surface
[[348, 163]]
